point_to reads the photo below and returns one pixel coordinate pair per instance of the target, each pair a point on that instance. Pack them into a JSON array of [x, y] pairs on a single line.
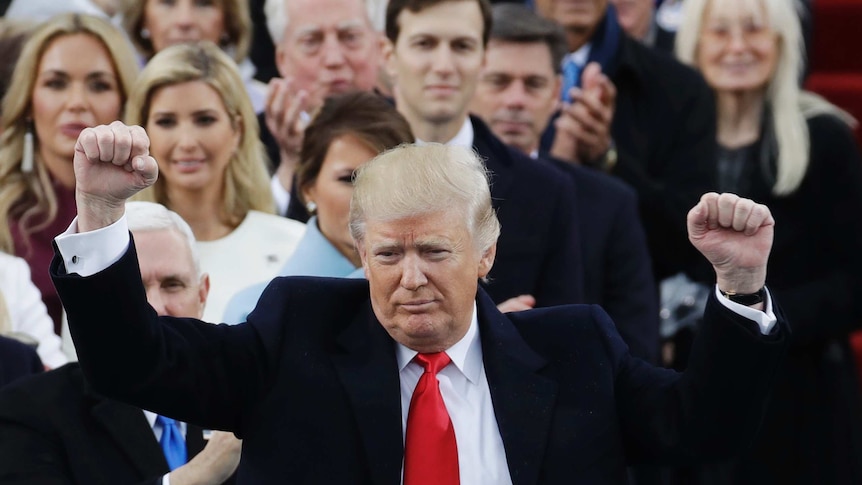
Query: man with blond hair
[[413, 376]]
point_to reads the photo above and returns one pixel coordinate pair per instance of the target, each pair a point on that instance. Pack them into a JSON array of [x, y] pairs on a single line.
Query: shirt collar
[[464, 137], [580, 56], [466, 354]]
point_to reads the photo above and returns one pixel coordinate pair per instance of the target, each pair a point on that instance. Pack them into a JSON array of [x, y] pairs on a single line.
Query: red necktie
[[430, 450]]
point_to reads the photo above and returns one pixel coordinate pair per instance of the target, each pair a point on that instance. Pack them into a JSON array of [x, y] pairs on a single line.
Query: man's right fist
[[112, 163]]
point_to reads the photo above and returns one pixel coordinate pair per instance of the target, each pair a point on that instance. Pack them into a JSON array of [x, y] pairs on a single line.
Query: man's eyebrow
[[388, 245], [308, 30], [316, 29], [350, 24]]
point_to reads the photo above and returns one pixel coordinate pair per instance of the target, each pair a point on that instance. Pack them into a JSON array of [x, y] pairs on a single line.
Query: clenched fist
[[112, 163], [735, 235]]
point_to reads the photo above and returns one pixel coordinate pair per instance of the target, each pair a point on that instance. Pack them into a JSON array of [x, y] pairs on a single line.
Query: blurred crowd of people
[[600, 122]]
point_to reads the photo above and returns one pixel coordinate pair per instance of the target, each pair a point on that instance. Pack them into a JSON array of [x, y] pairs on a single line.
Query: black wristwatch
[[746, 299]]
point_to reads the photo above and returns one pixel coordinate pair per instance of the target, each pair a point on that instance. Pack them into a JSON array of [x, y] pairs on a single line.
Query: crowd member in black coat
[[538, 253], [17, 360], [55, 429], [639, 19], [516, 95], [663, 127], [794, 152]]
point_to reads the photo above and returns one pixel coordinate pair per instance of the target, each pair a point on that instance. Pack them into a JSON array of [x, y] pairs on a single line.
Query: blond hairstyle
[[29, 197], [237, 27], [411, 180], [246, 181], [790, 107]]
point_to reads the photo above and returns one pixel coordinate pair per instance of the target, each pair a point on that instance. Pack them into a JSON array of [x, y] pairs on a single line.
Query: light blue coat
[[314, 256]]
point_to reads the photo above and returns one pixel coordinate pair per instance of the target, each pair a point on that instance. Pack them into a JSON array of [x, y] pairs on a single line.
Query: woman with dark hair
[[349, 130]]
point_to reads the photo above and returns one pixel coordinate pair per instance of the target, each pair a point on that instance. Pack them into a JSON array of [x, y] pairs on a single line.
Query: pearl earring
[[27, 155]]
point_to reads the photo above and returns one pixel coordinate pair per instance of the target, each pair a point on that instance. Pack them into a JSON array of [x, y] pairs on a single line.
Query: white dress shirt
[[464, 386], [464, 137]]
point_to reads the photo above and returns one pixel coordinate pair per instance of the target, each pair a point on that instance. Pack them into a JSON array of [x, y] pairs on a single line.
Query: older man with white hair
[[55, 429], [323, 47]]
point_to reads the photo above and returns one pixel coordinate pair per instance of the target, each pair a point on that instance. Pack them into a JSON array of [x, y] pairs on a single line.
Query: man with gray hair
[[414, 376], [54, 429], [518, 91], [323, 47]]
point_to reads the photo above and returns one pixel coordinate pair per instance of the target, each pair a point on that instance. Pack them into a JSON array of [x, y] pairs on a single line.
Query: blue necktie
[[571, 77], [173, 444]]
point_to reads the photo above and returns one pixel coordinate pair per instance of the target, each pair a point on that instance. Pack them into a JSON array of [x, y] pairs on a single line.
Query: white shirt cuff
[[88, 253], [166, 480], [765, 319]]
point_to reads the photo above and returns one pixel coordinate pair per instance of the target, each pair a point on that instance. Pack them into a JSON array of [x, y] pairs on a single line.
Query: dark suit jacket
[[538, 252], [311, 381], [17, 360], [664, 130], [617, 268], [55, 431]]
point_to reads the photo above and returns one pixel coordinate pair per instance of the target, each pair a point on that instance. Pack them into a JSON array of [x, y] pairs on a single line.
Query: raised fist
[[112, 163], [735, 235]]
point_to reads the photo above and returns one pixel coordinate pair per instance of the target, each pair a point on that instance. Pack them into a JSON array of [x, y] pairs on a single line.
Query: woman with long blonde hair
[[212, 166], [794, 152], [74, 72]]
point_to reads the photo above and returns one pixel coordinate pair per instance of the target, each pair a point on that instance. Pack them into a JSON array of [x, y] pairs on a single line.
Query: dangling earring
[[27, 156], [311, 207], [145, 33]]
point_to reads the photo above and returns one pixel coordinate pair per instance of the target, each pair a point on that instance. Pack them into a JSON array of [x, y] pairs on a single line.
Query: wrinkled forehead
[[164, 251], [325, 14]]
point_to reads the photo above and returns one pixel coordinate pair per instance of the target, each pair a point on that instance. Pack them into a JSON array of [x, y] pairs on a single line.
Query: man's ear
[[281, 60], [203, 291], [389, 60], [486, 262]]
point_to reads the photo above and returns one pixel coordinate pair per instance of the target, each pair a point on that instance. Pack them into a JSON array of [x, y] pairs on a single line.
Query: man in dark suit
[[414, 373], [639, 18], [663, 127], [55, 429], [434, 53], [516, 96], [17, 360]]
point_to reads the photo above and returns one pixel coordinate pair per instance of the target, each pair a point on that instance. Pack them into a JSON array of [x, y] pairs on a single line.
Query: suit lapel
[[369, 373], [523, 399], [132, 434]]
